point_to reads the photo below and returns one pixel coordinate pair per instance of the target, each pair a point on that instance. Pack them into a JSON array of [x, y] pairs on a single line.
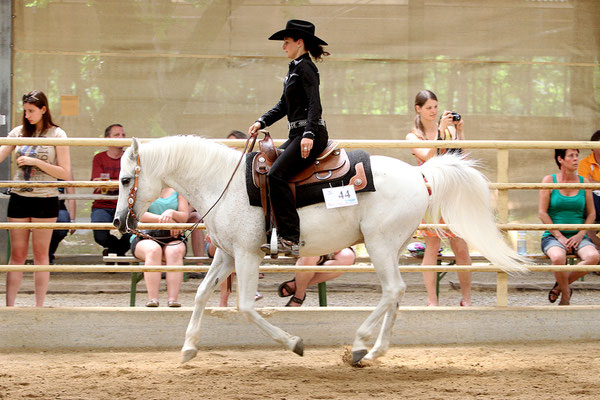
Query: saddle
[[331, 165]]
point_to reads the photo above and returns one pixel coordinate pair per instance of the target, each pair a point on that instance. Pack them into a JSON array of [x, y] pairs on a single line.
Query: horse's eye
[[125, 181]]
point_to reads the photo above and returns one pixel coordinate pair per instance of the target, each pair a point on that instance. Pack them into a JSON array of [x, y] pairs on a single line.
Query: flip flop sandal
[[173, 303], [287, 288], [552, 294], [296, 300], [152, 303]]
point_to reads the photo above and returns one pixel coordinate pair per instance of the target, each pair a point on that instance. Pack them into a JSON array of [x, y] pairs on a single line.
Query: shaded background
[[515, 69]]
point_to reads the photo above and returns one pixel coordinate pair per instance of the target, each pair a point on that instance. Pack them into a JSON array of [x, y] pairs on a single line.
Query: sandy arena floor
[[515, 371], [501, 371]]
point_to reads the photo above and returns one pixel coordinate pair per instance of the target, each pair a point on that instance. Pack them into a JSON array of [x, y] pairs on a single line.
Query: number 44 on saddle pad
[[341, 196]]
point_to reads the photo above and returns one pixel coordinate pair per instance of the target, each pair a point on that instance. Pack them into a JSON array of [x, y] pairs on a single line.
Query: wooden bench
[[136, 277]]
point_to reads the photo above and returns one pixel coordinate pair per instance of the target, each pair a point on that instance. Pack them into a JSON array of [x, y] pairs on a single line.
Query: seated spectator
[[64, 215], [170, 248], [589, 168], [566, 206], [302, 280], [107, 166]]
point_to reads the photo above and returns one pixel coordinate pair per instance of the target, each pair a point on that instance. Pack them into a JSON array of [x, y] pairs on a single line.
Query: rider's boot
[[287, 247]]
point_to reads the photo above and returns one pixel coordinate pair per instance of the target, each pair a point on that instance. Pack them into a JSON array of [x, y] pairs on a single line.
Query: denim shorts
[[551, 241]]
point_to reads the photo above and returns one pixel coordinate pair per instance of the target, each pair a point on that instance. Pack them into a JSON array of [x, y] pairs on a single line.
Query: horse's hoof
[[299, 347], [358, 355], [187, 355]]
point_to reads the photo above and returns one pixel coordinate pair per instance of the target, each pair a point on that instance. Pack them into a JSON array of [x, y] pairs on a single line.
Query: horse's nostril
[[116, 223]]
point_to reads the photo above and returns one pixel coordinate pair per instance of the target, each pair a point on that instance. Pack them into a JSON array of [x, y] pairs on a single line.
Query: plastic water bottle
[[522, 242]]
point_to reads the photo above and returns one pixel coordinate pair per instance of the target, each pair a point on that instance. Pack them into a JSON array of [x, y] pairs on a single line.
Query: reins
[[133, 195]]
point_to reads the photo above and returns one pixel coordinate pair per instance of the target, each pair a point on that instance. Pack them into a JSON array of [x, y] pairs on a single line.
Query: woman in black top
[[301, 103]]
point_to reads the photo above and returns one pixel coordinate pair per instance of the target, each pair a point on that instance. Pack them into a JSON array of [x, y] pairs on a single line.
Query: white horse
[[384, 220]]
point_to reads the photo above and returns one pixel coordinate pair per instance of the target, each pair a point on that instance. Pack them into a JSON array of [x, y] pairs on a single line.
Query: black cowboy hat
[[300, 29]]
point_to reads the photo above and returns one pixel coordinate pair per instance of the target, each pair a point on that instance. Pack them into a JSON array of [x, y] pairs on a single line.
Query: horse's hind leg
[[385, 334], [221, 267], [392, 288], [247, 276]]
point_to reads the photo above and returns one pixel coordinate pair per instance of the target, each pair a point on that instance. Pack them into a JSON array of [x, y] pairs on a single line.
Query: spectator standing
[[107, 166], [589, 168], [566, 206], [64, 215], [449, 127], [34, 204], [303, 279]]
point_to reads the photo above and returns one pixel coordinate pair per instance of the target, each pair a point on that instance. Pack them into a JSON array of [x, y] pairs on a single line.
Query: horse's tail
[[460, 193]]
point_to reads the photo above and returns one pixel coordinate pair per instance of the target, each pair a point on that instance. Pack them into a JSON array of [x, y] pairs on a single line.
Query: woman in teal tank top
[[170, 207], [567, 206]]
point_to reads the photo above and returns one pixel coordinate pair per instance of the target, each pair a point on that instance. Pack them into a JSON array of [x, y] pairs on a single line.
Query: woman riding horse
[[308, 137]]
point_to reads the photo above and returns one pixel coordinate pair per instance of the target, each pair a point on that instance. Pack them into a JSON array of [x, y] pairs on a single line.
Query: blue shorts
[[551, 241]]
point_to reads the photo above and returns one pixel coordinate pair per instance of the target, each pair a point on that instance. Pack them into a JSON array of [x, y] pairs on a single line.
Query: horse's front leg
[[246, 268], [220, 269], [392, 289]]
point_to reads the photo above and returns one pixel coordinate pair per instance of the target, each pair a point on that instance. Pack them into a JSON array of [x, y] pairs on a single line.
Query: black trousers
[[288, 164]]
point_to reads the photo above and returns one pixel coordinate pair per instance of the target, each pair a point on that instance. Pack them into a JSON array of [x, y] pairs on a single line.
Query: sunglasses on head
[[29, 98]]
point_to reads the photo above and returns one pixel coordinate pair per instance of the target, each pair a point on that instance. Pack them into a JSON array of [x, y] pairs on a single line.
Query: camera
[[455, 116]]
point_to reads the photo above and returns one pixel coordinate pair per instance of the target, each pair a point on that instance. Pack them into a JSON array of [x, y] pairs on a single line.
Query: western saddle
[[330, 165]]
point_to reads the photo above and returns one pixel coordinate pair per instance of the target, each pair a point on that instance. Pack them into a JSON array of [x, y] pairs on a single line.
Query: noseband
[[133, 190], [131, 203]]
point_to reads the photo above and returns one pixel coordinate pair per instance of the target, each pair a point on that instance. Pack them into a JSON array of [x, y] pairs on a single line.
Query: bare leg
[[558, 256], [461, 252], [174, 256], [432, 246], [151, 253], [19, 244], [198, 245], [589, 256], [40, 243], [224, 294]]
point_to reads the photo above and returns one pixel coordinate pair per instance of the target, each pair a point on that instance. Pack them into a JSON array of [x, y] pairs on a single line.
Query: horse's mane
[[192, 157]]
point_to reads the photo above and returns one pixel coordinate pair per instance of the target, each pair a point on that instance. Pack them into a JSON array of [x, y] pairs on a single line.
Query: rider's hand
[[305, 146], [254, 128]]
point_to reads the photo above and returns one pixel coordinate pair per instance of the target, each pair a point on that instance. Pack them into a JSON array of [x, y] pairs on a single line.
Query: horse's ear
[[135, 146]]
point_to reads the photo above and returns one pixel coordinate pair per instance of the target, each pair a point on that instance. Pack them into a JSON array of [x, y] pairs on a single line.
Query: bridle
[[133, 194]]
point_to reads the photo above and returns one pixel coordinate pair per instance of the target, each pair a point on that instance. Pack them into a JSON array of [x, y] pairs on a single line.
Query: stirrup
[[271, 249]]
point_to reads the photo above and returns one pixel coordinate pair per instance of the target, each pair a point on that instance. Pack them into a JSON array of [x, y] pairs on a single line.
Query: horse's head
[[139, 193]]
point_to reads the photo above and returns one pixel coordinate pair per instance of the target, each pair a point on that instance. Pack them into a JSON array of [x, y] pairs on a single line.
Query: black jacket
[[300, 99]]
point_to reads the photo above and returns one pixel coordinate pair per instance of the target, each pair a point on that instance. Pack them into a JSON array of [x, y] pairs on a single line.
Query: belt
[[303, 122]]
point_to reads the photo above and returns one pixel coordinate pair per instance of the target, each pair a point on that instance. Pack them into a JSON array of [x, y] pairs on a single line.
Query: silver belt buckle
[[303, 122]]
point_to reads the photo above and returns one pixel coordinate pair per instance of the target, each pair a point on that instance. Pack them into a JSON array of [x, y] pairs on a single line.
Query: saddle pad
[[312, 193]]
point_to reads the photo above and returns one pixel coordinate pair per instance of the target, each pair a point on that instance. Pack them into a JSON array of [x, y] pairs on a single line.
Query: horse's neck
[[201, 182]]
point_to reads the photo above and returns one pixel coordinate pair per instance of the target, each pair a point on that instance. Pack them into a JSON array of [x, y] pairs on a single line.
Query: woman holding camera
[[449, 127], [34, 204]]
